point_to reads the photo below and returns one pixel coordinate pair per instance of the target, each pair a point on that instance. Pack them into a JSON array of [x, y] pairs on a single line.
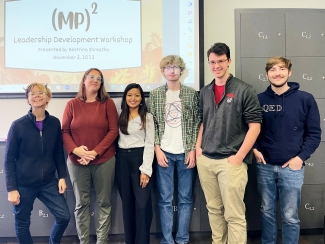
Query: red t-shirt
[[218, 93]]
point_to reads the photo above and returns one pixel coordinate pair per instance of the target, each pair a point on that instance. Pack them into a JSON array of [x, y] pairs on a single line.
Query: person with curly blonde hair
[[33, 156]]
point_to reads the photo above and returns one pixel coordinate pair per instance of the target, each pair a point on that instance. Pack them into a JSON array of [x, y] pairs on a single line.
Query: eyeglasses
[[175, 67], [95, 78], [40, 93], [219, 62]]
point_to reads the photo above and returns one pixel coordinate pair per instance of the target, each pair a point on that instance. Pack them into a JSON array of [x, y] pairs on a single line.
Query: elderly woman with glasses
[[33, 156], [89, 128]]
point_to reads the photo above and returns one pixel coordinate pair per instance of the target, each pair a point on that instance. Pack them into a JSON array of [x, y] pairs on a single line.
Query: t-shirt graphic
[[173, 114], [172, 139]]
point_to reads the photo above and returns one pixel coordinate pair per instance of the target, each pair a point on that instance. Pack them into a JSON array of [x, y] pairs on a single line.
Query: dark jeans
[[136, 201], [52, 199]]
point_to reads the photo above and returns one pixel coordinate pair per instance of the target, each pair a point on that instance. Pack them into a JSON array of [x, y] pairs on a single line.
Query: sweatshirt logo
[[271, 108], [230, 97]]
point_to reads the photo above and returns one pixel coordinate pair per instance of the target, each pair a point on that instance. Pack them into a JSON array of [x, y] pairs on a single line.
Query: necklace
[[133, 116]]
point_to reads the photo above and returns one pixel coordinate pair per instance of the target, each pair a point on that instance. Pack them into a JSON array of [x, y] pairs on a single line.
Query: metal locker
[[205, 225], [262, 34], [2, 176], [116, 214], [315, 167], [2, 168], [251, 171], [7, 219], [311, 211], [195, 218], [301, 39], [253, 73], [321, 107], [305, 33], [253, 206], [310, 74], [155, 224]]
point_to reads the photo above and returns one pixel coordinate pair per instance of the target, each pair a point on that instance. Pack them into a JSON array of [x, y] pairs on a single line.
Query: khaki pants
[[102, 177], [224, 186]]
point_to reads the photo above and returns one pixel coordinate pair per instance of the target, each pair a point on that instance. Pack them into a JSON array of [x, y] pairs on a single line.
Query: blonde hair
[[276, 60], [40, 86], [172, 59]]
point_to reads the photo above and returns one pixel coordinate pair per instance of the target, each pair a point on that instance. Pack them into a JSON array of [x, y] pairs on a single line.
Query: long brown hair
[[102, 95], [123, 119]]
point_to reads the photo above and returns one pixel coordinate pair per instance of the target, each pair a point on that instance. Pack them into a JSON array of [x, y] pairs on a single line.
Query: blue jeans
[[165, 184], [275, 183], [52, 199]]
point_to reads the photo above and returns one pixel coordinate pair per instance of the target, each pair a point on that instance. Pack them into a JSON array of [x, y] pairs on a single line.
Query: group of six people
[[217, 131]]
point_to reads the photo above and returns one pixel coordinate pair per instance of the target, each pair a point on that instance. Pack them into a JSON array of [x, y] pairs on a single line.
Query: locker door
[[253, 73], [205, 225], [2, 169], [321, 107], [195, 218], [253, 206], [262, 34], [311, 211], [117, 215], [310, 74], [7, 219], [315, 167], [155, 224], [305, 33]]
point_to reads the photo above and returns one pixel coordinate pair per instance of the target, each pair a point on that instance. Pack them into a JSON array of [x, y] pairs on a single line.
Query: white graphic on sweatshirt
[[271, 108]]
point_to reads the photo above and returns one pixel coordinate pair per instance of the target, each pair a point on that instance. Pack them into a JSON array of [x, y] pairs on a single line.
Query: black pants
[[136, 201]]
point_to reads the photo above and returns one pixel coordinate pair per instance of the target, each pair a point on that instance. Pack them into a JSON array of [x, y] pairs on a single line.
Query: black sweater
[[32, 157]]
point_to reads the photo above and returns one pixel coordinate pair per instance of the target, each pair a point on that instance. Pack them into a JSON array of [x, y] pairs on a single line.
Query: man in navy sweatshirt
[[290, 133]]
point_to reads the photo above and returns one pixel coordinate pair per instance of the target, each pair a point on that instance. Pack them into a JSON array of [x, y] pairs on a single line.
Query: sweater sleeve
[[312, 135], [148, 152], [60, 164], [112, 118], [11, 154], [68, 141], [252, 110]]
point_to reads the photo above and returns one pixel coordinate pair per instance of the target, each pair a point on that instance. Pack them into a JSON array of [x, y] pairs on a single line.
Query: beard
[[278, 85]]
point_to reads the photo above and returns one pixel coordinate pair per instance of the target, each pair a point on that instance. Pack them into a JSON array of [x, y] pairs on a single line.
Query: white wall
[[218, 27], [12, 109]]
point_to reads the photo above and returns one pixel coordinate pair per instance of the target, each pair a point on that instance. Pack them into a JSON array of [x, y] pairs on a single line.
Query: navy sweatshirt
[[32, 157], [291, 125]]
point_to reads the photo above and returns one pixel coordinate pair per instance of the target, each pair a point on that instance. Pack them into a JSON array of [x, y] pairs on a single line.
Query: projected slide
[[56, 41], [69, 38]]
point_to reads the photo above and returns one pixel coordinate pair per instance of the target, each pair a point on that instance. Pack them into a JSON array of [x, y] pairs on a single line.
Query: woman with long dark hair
[[89, 128], [134, 165]]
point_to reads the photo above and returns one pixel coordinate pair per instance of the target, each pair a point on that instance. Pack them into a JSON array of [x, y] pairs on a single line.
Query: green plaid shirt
[[190, 114]]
